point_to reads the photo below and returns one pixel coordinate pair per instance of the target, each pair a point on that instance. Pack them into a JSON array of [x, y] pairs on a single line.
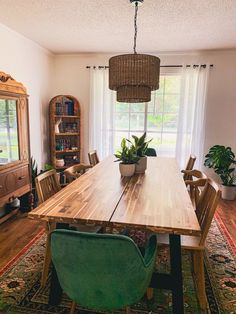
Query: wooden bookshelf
[[65, 134]]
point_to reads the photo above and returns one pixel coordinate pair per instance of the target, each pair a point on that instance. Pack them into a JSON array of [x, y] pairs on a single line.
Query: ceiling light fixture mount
[[135, 75]]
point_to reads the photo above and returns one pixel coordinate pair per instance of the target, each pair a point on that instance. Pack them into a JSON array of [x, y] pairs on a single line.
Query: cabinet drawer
[[13, 179]]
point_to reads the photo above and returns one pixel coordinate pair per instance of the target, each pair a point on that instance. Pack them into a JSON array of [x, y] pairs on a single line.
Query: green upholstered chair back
[[151, 152], [101, 271]]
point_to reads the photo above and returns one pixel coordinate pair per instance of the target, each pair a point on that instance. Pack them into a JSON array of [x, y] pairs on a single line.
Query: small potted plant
[[221, 159], [128, 158], [140, 145]]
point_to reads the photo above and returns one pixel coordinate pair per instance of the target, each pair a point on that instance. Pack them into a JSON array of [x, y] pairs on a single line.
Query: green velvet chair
[[151, 152], [102, 271]]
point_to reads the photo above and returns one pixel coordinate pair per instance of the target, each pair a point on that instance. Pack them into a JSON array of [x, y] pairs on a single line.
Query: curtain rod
[[162, 66]]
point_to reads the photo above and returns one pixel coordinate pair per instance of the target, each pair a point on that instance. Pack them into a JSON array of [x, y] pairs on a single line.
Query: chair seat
[[187, 242]]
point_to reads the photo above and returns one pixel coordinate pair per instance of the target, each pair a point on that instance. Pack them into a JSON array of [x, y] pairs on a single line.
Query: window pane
[[9, 150], [137, 121], [122, 107], [139, 107], [156, 140], [118, 138], [170, 123], [154, 123], [161, 85], [122, 121], [156, 104], [171, 103], [172, 84]]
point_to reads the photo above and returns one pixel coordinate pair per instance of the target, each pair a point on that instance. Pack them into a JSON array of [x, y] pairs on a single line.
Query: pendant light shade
[[134, 76]]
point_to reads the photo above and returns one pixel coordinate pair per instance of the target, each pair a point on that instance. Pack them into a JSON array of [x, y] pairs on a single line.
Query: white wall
[[71, 76], [31, 65]]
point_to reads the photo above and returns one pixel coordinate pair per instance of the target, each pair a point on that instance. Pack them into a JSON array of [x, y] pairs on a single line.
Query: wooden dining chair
[[151, 152], [103, 272], [189, 166], [205, 210], [47, 184], [93, 158], [76, 171], [195, 184]]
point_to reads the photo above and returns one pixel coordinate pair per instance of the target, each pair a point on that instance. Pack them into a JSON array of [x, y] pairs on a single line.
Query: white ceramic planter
[[127, 170], [228, 192], [141, 165]]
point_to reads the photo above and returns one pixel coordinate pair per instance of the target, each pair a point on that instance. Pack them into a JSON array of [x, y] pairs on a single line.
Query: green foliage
[[34, 170], [221, 159], [127, 155], [48, 167], [140, 144]]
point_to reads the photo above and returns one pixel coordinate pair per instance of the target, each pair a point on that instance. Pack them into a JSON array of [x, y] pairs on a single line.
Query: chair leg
[[200, 280], [127, 310], [47, 257], [149, 293], [72, 308]]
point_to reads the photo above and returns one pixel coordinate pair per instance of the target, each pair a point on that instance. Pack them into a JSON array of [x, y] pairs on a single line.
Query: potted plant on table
[[222, 160], [128, 158], [140, 145]]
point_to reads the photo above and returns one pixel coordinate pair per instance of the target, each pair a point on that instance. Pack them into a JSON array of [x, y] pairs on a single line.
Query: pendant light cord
[[135, 26]]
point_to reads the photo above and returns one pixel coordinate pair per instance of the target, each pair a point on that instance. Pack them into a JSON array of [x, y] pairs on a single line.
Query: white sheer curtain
[[101, 113], [191, 122]]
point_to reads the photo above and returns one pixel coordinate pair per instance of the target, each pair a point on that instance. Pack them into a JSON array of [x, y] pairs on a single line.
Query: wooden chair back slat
[[76, 171], [93, 158], [189, 166], [47, 185], [195, 185], [206, 208]]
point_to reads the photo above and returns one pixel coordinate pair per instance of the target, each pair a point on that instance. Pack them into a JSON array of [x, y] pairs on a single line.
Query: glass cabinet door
[[9, 148]]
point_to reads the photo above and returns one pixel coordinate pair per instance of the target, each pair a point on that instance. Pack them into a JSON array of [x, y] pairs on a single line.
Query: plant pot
[[127, 170], [228, 192], [141, 165]]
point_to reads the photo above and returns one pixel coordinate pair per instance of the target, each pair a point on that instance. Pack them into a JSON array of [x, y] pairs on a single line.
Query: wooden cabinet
[[65, 134], [15, 171]]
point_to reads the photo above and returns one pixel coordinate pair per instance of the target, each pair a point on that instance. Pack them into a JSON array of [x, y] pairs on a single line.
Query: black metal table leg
[[55, 292], [176, 274]]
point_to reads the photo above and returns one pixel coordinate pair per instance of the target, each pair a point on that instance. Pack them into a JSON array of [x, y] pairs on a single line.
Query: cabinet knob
[[1, 186]]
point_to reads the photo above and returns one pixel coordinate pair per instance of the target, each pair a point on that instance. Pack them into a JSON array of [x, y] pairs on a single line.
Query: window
[[159, 117], [8, 131]]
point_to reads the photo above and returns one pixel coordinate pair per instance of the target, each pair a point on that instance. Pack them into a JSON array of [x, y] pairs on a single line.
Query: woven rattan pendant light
[[135, 75]]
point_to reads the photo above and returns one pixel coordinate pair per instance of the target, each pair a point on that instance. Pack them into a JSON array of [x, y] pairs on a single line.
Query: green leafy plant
[[48, 167], [140, 144], [34, 170], [222, 159], [127, 155]]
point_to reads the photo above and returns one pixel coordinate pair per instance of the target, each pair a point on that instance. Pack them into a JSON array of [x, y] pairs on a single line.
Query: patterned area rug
[[20, 290]]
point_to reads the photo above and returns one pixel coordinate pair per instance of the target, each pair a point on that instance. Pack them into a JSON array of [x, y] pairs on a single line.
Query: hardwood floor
[[19, 230], [15, 234], [227, 212]]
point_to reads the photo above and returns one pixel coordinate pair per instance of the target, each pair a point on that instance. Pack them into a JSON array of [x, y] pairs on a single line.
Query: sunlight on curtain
[[175, 118], [101, 113], [191, 121]]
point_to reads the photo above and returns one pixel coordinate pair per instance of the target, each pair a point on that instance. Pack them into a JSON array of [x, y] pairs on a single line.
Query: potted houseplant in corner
[[128, 158], [221, 159], [140, 145]]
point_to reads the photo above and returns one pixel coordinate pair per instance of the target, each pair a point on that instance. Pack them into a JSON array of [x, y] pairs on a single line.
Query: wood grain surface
[[157, 200]]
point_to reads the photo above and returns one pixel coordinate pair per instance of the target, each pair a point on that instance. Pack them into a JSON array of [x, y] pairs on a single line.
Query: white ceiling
[[101, 26]]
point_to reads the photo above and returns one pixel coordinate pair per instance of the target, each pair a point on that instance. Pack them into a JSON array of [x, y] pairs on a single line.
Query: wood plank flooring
[[19, 230]]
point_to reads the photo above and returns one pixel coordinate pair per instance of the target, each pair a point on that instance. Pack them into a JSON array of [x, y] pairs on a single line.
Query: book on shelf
[[65, 108]]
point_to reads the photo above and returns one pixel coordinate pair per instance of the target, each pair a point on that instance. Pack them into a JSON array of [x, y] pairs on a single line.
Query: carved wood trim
[[9, 85]]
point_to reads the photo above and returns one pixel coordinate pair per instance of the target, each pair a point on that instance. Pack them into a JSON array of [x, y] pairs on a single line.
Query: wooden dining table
[[156, 201]]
